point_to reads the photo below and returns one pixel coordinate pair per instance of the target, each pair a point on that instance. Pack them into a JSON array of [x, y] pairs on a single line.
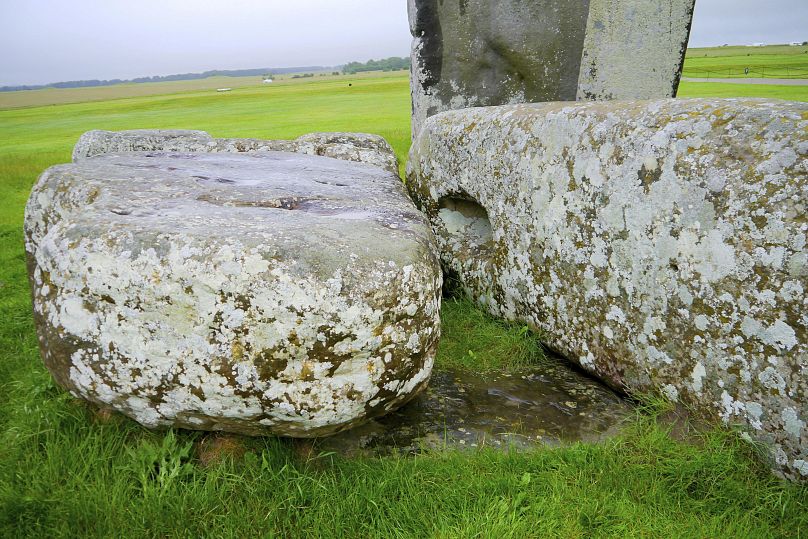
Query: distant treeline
[[388, 64], [165, 78]]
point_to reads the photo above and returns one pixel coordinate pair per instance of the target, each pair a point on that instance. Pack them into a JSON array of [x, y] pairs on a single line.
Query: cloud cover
[[46, 41]]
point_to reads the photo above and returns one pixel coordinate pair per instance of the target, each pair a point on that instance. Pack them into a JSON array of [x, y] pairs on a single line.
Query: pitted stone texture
[[661, 244], [97, 142], [264, 293], [358, 147], [474, 53]]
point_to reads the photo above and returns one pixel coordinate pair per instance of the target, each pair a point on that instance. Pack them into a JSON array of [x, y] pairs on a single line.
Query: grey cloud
[[54, 40]]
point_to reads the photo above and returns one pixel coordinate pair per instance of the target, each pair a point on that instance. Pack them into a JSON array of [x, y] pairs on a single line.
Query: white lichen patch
[[266, 293], [660, 244]]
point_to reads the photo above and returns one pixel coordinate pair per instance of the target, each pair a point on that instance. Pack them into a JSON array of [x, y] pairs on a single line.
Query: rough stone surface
[[471, 53], [634, 49], [359, 147], [540, 406], [264, 293], [660, 244]]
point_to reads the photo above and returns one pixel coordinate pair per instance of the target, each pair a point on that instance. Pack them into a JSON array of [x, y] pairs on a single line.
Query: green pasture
[[717, 89], [773, 61], [68, 471], [62, 96]]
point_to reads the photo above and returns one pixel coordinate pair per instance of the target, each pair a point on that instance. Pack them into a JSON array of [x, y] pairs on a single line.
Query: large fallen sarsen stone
[[269, 293], [661, 245], [475, 53], [359, 147]]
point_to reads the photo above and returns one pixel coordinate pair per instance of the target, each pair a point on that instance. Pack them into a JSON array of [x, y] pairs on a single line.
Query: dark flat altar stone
[[545, 405]]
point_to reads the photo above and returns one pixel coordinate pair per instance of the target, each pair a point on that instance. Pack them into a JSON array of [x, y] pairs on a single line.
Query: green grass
[[471, 339], [775, 61], [717, 89], [61, 96], [65, 471], [68, 476]]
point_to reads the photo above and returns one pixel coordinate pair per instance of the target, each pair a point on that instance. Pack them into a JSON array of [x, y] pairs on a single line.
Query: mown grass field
[[62, 96], [717, 89], [68, 471], [773, 61]]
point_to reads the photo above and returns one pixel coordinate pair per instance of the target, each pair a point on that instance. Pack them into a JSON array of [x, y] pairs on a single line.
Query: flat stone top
[[302, 207]]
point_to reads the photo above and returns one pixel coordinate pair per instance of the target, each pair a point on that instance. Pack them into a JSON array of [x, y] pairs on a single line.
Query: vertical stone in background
[[469, 53], [634, 49]]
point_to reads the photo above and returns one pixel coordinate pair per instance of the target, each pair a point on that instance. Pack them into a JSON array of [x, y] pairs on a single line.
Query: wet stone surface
[[545, 405]]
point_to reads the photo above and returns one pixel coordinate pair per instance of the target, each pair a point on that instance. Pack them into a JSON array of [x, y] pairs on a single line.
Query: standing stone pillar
[[469, 53]]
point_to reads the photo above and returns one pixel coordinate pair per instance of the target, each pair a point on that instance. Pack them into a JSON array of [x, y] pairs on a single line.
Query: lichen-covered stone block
[[472, 53], [265, 293], [358, 147], [659, 244]]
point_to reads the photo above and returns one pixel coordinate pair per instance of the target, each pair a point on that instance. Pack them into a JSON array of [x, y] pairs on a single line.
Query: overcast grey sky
[[45, 41]]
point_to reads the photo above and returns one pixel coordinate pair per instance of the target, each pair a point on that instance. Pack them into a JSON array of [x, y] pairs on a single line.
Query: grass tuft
[[474, 340]]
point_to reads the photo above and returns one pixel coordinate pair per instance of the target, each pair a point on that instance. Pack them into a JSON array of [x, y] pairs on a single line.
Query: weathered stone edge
[[357, 147]]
